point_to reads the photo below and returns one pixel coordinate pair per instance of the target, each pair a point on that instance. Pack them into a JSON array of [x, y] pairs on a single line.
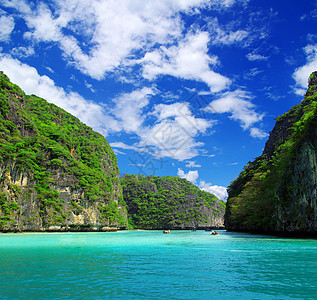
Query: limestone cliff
[[277, 192], [55, 172], [170, 202]]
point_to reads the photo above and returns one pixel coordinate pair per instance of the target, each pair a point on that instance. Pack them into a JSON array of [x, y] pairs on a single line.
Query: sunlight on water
[[152, 265]]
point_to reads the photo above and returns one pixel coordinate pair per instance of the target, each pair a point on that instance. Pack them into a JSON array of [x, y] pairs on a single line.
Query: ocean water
[[153, 265]]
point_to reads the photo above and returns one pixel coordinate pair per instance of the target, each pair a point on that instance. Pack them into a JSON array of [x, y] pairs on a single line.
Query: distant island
[[170, 202]]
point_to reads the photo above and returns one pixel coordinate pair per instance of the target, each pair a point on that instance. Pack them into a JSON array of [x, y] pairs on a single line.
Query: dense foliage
[[52, 149], [168, 202], [255, 197]]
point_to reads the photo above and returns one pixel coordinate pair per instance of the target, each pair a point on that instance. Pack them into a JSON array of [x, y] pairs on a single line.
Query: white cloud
[[239, 105], [21, 52], [258, 133], [252, 73], [172, 134], [6, 27], [117, 152], [254, 57], [114, 34], [190, 176], [225, 36], [45, 27], [175, 131], [128, 110], [135, 147], [123, 146], [137, 165], [209, 155], [181, 113], [31, 82], [219, 191], [192, 164], [302, 73], [188, 60], [113, 30], [49, 69], [21, 5], [231, 37], [89, 86]]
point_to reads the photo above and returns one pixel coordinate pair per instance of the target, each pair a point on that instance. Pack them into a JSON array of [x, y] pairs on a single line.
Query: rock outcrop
[[277, 192], [170, 202], [55, 172]]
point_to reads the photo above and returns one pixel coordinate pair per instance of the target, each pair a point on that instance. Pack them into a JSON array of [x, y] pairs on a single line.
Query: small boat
[[214, 233], [167, 231]]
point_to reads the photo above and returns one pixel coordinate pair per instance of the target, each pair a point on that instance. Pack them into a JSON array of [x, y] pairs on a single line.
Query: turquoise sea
[[153, 265]]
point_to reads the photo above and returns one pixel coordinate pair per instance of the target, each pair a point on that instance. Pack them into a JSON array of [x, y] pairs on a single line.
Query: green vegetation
[[263, 195], [7, 209], [52, 150], [168, 202]]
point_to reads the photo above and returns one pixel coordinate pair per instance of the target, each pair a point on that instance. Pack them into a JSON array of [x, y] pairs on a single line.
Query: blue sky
[[187, 88]]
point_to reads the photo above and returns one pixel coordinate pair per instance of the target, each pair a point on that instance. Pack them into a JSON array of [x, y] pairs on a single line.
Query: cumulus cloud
[[239, 105], [302, 73], [111, 31], [219, 191], [181, 113], [98, 37], [187, 60], [128, 110], [175, 131], [190, 175], [6, 27]]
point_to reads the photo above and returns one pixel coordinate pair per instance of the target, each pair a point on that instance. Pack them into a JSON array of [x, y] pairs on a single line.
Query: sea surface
[[153, 265]]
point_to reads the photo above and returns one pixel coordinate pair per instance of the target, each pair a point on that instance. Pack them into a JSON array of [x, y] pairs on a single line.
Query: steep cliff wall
[[55, 172], [277, 192], [170, 202]]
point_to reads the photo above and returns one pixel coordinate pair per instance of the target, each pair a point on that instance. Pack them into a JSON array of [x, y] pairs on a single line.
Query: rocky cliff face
[[170, 202], [55, 172], [277, 192], [296, 209]]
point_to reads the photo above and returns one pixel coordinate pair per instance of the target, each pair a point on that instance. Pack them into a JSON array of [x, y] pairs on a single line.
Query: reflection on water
[[150, 265]]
